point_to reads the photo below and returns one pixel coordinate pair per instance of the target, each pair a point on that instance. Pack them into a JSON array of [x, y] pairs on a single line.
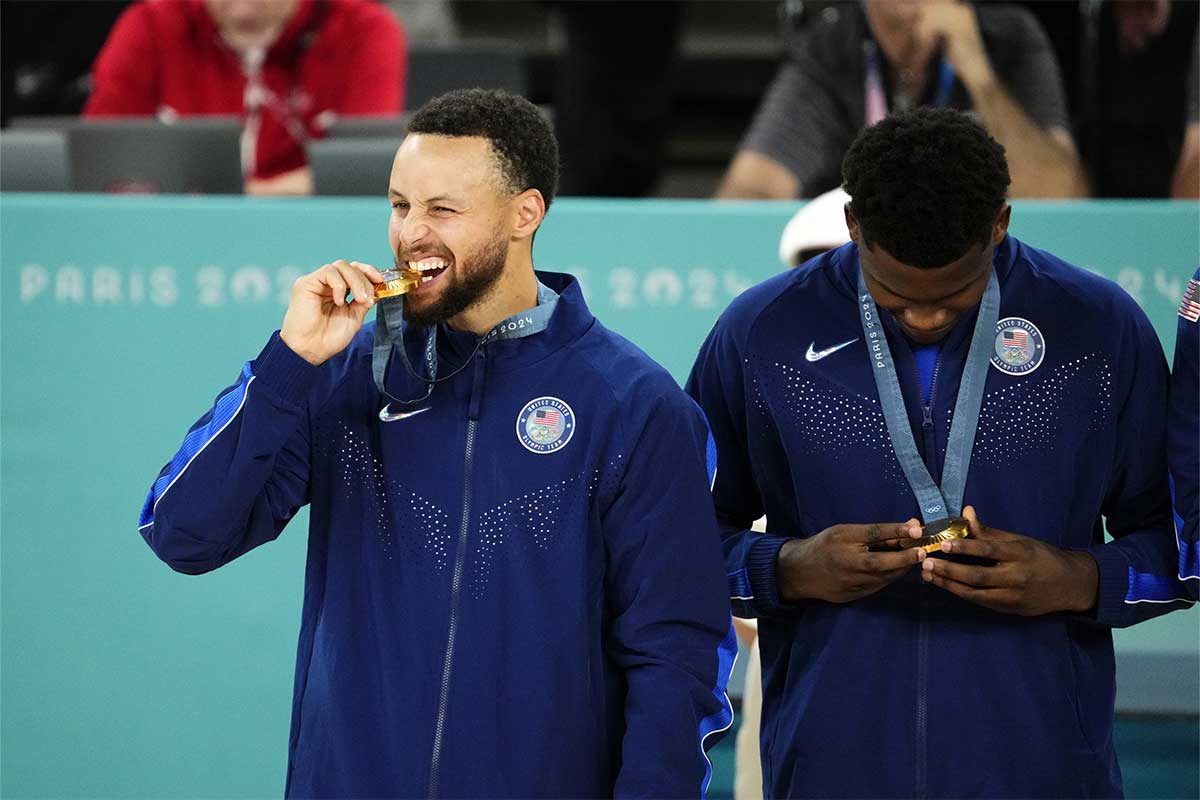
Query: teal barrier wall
[[121, 320]]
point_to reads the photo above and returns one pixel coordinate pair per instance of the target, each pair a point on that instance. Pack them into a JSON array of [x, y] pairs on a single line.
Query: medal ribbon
[[389, 336], [944, 501]]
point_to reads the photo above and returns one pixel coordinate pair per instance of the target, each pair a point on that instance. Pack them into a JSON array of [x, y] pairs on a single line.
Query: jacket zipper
[[927, 409], [932, 461], [460, 558], [921, 767]]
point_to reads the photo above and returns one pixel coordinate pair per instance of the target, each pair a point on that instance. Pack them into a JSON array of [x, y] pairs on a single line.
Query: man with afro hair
[[937, 372]]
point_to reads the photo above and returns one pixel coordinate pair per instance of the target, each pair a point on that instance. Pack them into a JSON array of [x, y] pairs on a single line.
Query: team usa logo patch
[[1020, 348], [545, 425], [1189, 309]]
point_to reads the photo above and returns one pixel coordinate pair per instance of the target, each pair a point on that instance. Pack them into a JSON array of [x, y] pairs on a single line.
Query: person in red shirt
[[289, 67]]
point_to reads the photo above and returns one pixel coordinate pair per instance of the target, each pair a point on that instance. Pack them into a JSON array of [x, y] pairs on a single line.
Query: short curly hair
[[519, 133], [925, 185]]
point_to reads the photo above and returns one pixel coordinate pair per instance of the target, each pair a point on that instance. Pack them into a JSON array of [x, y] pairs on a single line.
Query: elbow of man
[[753, 176], [1186, 183], [1066, 180], [183, 552], [1050, 187], [189, 567], [1057, 175]]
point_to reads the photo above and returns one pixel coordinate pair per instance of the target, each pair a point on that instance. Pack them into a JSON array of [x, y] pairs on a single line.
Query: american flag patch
[[546, 416], [1189, 309], [1015, 337]]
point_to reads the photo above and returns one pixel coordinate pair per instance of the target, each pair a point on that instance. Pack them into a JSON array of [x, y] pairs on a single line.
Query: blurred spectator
[[1134, 102], [853, 64], [1124, 66], [1187, 171], [1139, 22], [289, 66]]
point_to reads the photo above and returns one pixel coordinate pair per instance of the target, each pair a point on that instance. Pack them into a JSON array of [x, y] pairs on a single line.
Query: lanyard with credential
[[876, 98], [946, 501], [389, 337]]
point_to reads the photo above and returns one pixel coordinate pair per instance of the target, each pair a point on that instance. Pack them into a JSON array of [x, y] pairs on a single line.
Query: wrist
[[1084, 581], [790, 567], [304, 352], [284, 371]]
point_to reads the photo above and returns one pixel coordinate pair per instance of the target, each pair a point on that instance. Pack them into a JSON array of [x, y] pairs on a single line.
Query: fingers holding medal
[[846, 562], [1021, 575]]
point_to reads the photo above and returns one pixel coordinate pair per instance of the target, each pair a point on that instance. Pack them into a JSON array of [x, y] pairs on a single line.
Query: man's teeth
[[428, 264]]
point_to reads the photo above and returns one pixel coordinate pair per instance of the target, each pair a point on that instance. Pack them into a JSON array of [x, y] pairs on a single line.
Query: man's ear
[[1000, 226], [529, 208], [852, 225]]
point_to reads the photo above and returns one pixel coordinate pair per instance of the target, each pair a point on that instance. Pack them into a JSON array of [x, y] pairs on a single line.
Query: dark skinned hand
[[1029, 577], [837, 565]]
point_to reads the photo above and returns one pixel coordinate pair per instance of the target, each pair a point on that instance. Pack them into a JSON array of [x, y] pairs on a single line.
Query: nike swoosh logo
[[396, 416], [813, 355]]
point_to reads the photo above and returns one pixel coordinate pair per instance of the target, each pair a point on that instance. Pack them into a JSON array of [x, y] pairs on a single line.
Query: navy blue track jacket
[[518, 592], [912, 692], [1184, 436]]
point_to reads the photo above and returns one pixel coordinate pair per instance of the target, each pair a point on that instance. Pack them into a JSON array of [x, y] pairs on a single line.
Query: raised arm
[[242, 471]]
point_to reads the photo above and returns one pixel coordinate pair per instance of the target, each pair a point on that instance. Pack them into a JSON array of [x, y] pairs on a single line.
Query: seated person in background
[[1187, 171], [288, 66], [855, 64]]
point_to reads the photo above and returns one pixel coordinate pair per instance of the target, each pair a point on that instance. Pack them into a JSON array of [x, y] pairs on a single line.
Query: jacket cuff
[[282, 371], [1113, 568], [764, 555]]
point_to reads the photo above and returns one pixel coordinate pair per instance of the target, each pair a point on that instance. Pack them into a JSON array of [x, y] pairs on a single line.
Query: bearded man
[[515, 585]]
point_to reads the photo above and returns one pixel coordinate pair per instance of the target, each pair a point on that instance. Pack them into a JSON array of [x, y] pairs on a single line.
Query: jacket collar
[[571, 319]]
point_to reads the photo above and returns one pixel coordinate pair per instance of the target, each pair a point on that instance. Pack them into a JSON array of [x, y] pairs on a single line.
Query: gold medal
[[397, 281], [933, 534]]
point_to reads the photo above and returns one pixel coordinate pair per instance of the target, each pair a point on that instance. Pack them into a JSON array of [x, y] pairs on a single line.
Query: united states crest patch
[[545, 425], [1020, 347]]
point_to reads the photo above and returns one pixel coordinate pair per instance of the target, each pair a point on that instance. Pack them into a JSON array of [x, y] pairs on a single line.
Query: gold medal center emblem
[[933, 534]]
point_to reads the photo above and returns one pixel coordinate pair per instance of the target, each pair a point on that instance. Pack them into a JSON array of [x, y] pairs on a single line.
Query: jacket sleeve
[[378, 64], [125, 75], [670, 631], [242, 472], [717, 385], [1183, 438], [1139, 567]]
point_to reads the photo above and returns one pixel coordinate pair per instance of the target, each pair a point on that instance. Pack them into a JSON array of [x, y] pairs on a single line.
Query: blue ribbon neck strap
[[389, 337], [936, 502]]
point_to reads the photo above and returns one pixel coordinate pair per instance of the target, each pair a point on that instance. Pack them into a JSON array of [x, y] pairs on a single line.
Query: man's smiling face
[[450, 220]]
